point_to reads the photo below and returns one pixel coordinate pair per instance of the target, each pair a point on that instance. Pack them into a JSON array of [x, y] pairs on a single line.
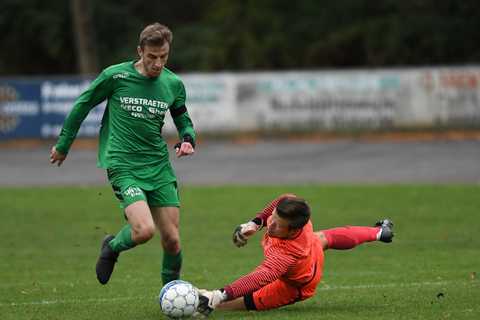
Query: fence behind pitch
[[427, 98]]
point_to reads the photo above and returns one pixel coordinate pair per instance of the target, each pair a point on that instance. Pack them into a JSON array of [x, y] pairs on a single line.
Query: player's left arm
[[183, 123]]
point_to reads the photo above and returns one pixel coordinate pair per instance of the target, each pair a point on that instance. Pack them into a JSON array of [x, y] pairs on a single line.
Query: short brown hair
[[155, 34], [295, 210]]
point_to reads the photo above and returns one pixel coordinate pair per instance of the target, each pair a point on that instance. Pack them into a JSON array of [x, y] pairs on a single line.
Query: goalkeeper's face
[[153, 59], [279, 227]]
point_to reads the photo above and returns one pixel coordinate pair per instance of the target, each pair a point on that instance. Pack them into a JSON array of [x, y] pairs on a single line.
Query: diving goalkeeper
[[293, 263]]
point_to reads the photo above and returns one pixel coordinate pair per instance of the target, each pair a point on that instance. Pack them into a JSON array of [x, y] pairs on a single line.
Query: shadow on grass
[[303, 311]]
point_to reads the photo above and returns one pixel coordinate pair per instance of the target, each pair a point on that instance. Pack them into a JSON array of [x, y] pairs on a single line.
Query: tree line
[[84, 36]]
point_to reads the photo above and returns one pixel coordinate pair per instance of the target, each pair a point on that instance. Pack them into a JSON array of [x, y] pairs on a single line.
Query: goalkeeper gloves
[[209, 300], [245, 231]]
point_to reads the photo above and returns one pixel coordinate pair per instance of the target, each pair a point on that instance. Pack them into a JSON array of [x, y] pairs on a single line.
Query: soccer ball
[[178, 299]]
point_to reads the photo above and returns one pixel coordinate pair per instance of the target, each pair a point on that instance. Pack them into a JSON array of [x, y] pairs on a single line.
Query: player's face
[[153, 59], [278, 227]]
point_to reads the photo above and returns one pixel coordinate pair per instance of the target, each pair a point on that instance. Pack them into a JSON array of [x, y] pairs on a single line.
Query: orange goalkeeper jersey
[[302, 252]]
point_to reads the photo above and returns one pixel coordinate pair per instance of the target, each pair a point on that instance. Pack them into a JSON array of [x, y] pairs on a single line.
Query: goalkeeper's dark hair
[[155, 34], [295, 210]]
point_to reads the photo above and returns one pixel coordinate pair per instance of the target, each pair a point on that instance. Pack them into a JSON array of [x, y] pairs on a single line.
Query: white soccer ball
[[178, 299]]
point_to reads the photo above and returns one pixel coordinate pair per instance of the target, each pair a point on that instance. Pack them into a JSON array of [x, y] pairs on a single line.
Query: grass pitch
[[50, 239]]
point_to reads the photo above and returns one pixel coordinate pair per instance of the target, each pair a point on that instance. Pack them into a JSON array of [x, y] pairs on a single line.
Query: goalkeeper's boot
[[106, 261], [386, 230]]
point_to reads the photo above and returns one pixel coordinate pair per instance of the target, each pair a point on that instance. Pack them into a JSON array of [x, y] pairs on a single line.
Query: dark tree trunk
[[84, 37]]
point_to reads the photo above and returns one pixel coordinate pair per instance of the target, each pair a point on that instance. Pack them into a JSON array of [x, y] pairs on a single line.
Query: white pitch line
[[70, 301], [388, 285], [321, 288]]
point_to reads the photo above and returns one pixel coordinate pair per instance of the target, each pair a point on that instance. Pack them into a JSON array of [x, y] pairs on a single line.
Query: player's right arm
[[98, 91], [57, 157], [276, 264], [248, 229]]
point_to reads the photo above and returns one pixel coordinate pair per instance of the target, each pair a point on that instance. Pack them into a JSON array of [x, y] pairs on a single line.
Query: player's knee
[[143, 233], [171, 243], [323, 239]]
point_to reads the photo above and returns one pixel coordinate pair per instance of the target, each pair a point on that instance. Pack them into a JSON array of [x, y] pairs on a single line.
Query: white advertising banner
[[335, 100], [362, 99], [449, 96], [210, 102], [320, 100]]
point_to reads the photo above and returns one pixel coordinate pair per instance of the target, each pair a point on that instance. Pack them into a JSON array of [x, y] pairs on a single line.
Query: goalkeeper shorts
[[280, 293]]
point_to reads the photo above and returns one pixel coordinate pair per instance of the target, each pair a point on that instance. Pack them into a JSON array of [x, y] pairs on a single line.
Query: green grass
[[50, 240]]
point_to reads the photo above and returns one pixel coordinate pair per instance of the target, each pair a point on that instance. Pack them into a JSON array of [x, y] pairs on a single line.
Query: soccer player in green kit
[[132, 150]]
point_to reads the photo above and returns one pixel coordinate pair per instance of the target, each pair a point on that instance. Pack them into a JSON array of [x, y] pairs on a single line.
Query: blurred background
[[56, 37], [357, 90]]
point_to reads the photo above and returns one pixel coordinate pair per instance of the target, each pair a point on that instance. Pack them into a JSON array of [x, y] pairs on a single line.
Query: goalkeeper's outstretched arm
[[248, 229], [275, 265]]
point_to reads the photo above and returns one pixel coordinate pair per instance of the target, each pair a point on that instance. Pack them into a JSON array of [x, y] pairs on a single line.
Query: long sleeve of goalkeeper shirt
[[275, 265]]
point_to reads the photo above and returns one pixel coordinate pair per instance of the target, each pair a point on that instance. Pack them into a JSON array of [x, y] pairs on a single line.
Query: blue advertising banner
[[57, 98], [34, 108], [20, 115]]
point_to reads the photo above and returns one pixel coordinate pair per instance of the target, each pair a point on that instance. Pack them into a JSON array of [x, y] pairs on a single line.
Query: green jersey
[[130, 134]]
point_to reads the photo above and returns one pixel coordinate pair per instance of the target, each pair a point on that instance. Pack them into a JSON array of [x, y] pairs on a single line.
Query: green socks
[[171, 267], [171, 263], [123, 240]]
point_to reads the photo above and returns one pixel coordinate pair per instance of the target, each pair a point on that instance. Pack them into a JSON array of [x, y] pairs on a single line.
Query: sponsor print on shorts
[[133, 192]]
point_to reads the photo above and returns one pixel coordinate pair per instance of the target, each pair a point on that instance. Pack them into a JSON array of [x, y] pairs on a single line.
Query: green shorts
[[128, 191]]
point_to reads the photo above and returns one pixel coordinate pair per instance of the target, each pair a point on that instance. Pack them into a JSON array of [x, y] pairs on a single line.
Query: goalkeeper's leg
[[349, 237]]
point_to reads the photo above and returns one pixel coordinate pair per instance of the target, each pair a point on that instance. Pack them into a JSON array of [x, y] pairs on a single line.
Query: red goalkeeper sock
[[349, 237]]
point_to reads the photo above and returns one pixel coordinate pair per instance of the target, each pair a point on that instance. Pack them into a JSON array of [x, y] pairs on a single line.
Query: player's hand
[[209, 300], [243, 232], [184, 149], [56, 156]]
